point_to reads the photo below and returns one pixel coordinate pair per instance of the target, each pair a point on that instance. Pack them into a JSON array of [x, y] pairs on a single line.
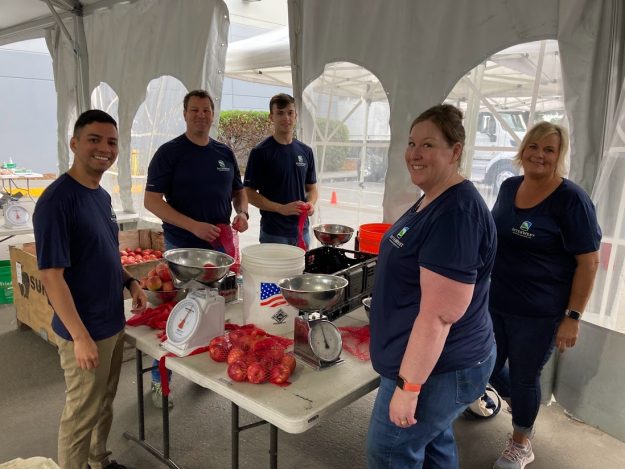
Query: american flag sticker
[[270, 295]]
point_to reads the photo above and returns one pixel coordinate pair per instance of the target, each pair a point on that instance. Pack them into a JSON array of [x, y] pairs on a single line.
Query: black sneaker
[[114, 465]]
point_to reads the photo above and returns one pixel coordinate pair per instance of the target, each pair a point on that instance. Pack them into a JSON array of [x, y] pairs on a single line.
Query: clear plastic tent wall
[[350, 138], [607, 305], [130, 44]]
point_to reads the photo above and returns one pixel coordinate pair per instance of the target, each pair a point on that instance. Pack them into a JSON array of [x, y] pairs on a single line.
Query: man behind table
[[76, 235], [280, 177], [193, 182]]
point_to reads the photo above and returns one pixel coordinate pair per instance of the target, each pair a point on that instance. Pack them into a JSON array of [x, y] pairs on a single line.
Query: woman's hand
[[403, 408], [568, 330]]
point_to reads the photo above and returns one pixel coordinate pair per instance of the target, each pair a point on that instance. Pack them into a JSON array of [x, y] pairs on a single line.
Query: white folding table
[[294, 409]]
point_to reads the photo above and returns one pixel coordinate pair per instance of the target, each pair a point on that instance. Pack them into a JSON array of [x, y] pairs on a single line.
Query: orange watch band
[[403, 384]]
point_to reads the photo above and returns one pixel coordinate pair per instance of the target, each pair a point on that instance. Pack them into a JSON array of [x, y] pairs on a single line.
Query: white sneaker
[[157, 396], [515, 456]]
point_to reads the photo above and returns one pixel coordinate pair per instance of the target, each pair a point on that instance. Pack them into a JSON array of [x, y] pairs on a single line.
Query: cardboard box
[[144, 239], [29, 295], [31, 301]]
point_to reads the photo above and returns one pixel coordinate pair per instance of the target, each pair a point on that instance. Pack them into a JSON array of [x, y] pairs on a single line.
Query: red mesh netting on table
[[356, 341]]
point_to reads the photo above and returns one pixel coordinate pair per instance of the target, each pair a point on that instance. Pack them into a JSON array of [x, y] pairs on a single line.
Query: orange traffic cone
[[333, 198]]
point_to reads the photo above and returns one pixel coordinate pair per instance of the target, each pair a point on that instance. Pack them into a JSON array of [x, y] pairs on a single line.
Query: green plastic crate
[[6, 285]]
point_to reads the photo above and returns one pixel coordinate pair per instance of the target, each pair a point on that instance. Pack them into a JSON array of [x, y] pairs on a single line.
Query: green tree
[[242, 131]]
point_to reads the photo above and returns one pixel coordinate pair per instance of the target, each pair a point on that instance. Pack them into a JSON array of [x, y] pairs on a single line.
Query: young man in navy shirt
[[193, 184], [76, 235], [280, 177]]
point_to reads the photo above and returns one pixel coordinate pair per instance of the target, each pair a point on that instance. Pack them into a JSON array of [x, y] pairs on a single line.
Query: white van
[[495, 147]]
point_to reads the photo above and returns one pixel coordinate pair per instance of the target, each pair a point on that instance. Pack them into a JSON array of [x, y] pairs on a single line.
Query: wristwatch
[[127, 282], [247, 215], [571, 313], [404, 385]]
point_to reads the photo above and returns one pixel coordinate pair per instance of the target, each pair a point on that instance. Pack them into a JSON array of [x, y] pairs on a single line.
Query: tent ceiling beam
[[59, 22], [37, 26]]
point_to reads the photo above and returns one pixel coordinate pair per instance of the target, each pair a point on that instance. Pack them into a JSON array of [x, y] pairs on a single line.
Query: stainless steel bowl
[[312, 292], [333, 235], [156, 298], [366, 302], [191, 264]]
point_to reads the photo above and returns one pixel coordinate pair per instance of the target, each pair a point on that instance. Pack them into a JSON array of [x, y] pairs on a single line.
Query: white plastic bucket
[[262, 266]]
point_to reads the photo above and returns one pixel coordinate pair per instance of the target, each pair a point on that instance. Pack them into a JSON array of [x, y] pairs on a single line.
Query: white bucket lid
[[272, 251]]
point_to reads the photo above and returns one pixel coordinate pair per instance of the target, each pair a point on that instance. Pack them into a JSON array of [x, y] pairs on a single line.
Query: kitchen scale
[[15, 215], [198, 318], [317, 341]]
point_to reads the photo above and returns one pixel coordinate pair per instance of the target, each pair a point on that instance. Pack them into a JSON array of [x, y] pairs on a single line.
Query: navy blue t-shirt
[[453, 236], [76, 229], [535, 260], [280, 173], [198, 181]]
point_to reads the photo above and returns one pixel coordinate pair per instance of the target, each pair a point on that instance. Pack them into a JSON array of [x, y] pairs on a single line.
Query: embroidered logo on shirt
[[395, 239], [300, 161], [524, 230], [221, 166]]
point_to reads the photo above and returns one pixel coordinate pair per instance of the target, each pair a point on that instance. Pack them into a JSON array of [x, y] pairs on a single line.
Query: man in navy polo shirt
[[280, 177], [193, 183], [76, 234]]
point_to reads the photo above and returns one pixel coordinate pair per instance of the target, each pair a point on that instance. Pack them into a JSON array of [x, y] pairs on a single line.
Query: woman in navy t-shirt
[[431, 334], [547, 256]]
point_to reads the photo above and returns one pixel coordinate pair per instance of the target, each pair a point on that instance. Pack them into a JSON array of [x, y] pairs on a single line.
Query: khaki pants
[[88, 413]]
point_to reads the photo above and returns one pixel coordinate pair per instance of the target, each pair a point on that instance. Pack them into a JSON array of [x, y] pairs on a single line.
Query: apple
[[167, 286], [218, 352], [154, 283], [267, 363], [279, 374], [256, 373], [152, 273], [289, 361], [235, 354], [237, 371], [163, 272], [219, 340]]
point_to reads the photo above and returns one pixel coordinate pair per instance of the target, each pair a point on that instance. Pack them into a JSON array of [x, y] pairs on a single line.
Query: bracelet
[[127, 282]]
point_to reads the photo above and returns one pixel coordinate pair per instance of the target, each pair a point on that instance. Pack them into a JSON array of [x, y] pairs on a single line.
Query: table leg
[[140, 440], [235, 436], [273, 447]]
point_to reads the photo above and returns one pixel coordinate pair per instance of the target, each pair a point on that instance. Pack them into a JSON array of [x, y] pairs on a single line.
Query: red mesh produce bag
[[229, 240], [356, 341]]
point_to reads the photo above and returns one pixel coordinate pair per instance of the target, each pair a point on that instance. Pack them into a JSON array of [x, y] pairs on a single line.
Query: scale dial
[[325, 340], [183, 321], [16, 215]]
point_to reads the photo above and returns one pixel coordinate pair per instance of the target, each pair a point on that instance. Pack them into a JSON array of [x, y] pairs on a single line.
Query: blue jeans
[[269, 238], [527, 344], [430, 442]]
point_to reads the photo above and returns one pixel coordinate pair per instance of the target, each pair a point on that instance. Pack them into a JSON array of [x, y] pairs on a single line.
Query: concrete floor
[[32, 399]]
